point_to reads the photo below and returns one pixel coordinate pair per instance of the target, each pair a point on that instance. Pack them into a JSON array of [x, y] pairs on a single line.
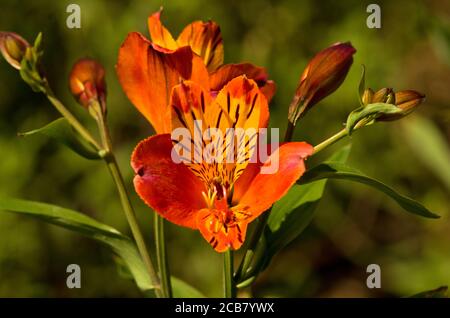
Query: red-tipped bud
[[323, 75], [13, 48], [87, 82]]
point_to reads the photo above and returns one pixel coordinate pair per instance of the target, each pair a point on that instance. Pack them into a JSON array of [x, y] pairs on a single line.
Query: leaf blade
[[338, 170], [87, 226], [61, 131]]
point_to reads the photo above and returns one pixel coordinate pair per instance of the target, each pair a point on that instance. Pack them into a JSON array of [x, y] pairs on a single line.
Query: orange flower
[[148, 70], [219, 198]]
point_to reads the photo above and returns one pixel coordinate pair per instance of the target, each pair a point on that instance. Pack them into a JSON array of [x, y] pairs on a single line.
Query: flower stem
[[161, 254], [228, 281], [71, 119], [333, 139], [253, 241], [114, 170]]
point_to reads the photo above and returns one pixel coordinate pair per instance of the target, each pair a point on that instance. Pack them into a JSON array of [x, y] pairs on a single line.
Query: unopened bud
[[13, 48], [407, 101], [367, 96], [323, 75], [87, 83]]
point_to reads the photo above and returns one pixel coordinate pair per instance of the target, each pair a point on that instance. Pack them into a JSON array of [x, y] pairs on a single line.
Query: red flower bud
[[323, 75], [13, 48], [87, 82]]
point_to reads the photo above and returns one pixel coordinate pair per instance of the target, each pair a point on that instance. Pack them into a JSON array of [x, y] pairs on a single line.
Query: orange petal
[[240, 96], [220, 237], [159, 34], [205, 40], [227, 72], [240, 105], [169, 188], [188, 103], [147, 76], [263, 190]]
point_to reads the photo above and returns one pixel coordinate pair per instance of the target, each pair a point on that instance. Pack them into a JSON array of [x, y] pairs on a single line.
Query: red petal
[[215, 233], [169, 188], [227, 72], [257, 192]]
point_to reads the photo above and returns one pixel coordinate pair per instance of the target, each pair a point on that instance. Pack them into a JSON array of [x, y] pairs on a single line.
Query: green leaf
[[429, 146], [362, 85], [182, 289], [369, 113], [82, 224], [440, 292], [61, 131], [130, 263], [293, 213], [338, 170]]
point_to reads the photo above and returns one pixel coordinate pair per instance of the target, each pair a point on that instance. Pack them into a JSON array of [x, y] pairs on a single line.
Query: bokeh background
[[354, 225]]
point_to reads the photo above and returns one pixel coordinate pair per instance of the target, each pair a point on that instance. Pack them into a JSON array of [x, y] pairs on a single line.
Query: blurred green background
[[354, 225]]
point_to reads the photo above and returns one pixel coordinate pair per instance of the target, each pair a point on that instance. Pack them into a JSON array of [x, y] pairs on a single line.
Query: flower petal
[[147, 76], [264, 189], [269, 90], [159, 34], [205, 40], [239, 105], [217, 234], [226, 73], [169, 188]]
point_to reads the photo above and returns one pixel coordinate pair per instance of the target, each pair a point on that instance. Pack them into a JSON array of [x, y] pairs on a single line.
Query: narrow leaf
[[338, 170], [82, 224], [182, 289], [293, 213], [362, 85], [61, 131]]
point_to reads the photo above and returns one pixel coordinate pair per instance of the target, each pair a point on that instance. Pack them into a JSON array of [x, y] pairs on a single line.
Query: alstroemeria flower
[[148, 70], [205, 40], [219, 199]]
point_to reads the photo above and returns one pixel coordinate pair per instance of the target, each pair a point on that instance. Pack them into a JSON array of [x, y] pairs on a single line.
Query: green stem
[[114, 170], [228, 281], [161, 253], [71, 119], [333, 139], [253, 241]]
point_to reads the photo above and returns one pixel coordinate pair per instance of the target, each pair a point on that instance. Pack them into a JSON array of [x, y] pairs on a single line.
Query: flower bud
[[384, 95], [323, 75], [407, 101], [13, 48], [367, 96], [87, 82]]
